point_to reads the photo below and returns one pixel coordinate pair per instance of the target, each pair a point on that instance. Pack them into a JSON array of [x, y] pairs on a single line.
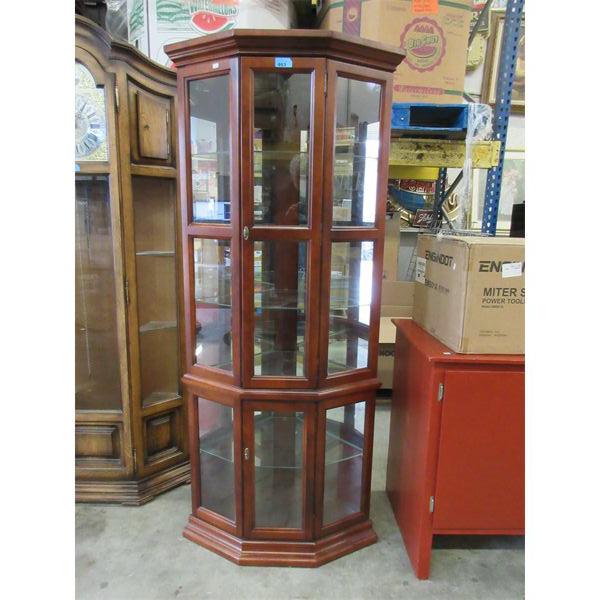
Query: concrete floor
[[128, 553]]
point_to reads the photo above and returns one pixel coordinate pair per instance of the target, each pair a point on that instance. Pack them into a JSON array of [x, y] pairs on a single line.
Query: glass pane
[[209, 143], [97, 375], [212, 268], [356, 152], [350, 305], [344, 445], [281, 147], [278, 468], [154, 224], [279, 307], [217, 476]]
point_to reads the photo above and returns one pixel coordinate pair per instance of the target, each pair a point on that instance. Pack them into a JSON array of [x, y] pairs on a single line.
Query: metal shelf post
[[504, 84]]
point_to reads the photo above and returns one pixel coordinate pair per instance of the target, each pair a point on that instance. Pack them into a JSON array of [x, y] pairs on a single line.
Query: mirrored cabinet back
[[130, 434]]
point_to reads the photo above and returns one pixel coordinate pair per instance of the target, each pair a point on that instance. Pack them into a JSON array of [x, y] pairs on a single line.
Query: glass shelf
[[344, 156], [208, 301], [279, 153], [155, 253], [337, 450], [160, 397], [157, 325], [209, 155]]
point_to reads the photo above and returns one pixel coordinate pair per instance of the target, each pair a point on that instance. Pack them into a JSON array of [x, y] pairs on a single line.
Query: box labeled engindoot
[[470, 292]]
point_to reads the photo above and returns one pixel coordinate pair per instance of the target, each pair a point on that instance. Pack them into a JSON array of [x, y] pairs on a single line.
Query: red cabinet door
[[480, 482]]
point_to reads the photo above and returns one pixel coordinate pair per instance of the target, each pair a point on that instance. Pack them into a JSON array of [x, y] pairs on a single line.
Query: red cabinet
[[456, 457]]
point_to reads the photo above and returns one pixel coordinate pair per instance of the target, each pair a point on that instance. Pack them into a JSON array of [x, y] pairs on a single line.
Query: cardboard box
[[155, 23], [433, 33], [470, 292], [397, 298], [397, 290], [385, 362]]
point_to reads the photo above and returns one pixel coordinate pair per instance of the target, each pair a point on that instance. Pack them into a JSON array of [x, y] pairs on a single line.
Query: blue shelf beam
[[422, 120]]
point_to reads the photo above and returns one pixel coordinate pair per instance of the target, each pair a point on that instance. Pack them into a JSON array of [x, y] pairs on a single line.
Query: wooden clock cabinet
[[130, 441], [283, 148]]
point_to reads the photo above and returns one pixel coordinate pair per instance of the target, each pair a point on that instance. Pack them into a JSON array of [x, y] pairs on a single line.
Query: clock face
[[90, 118], [90, 129]]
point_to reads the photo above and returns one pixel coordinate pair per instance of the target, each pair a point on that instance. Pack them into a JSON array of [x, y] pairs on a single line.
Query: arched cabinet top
[[95, 40]]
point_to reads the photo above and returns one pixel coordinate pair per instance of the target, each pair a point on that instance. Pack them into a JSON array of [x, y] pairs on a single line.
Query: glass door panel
[[278, 469], [210, 149], [356, 152], [281, 137], [212, 270], [217, 473], [344, 447], [279, 308], [97, 374], [350, 305], [155, 259]]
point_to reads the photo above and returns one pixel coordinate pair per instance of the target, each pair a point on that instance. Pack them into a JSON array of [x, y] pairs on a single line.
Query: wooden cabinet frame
[[149, 437], [309, 233], [325, 56]]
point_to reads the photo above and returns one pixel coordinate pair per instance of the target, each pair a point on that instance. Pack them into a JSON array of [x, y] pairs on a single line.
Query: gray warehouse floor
[[125, 553]]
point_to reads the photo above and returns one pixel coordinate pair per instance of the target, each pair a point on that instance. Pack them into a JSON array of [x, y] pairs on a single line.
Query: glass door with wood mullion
[[355, 220], [212, 218], [278, 455], [281, 159]]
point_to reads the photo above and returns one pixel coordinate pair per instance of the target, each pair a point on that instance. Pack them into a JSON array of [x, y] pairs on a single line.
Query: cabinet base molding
[[132, 493], [280, 553]]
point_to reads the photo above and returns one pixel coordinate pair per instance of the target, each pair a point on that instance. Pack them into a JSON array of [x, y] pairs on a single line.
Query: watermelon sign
[[425, 44], [215, 16]]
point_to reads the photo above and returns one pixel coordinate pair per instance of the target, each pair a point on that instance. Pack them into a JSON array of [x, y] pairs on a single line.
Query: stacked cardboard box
[[397, 291], [434, 34], [470, 292], [152, 25]]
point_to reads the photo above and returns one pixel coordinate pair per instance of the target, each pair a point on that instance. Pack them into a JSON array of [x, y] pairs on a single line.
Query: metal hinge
[[127, 292], [326, 78], [134, 461], [440, 392], [431, 503], [246, 453], [117, 103]]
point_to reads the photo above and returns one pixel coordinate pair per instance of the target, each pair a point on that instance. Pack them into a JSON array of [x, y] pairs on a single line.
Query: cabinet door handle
[[246, 233], [246, 453]]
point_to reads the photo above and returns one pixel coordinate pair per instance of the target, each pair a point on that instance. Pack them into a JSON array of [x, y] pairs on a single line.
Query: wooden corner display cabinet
[[283, 148], [130, 440]]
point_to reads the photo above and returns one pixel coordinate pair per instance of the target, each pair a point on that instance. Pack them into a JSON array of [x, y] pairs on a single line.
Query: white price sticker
[[514, 269], [420, 269]]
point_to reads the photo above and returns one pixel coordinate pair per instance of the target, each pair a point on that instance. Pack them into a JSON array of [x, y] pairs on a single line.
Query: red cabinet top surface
[[437, 352]]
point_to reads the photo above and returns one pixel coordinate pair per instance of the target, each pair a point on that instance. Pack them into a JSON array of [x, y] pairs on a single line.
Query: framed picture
[[492, 62], [511, 192]]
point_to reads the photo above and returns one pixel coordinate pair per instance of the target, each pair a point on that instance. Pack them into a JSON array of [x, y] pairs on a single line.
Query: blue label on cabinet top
[[283, 62]]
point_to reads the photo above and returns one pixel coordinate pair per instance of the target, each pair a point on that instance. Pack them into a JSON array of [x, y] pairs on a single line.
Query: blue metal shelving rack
[[504, 84], [434, 121]]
